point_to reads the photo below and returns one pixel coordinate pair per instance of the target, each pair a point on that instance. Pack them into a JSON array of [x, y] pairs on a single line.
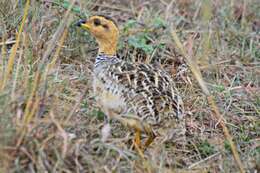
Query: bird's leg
[[137, 143], [150, 139], [106, 129], [151, 136], [137, 126], [137, 140]]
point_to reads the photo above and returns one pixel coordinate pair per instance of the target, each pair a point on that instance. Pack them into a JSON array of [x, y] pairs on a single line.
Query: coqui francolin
[[138, 95]]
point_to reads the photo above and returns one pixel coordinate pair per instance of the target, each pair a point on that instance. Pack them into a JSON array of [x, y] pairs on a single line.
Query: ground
[[49, 120]]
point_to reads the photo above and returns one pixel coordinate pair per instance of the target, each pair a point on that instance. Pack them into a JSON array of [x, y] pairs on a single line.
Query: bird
[[136, 94]]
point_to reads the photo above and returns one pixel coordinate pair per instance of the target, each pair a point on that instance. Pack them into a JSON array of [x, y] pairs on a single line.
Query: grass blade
[[196, 72]]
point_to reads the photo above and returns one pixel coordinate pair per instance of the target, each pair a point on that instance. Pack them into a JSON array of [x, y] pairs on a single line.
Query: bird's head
[[105, 30]]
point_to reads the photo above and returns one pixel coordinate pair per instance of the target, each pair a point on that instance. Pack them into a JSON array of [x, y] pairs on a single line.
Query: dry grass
[[49, 121]]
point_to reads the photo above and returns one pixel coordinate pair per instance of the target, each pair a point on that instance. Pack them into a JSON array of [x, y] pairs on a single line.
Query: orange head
[[105, 30]]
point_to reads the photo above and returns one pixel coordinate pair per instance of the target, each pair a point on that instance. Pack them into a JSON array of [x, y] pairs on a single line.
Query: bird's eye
[[105, 26], [97, 22]]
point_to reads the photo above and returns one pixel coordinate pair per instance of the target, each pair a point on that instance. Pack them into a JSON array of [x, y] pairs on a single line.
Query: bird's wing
[[148, 91]]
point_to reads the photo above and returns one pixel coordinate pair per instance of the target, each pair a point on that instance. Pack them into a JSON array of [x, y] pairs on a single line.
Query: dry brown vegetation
[[49, 121]]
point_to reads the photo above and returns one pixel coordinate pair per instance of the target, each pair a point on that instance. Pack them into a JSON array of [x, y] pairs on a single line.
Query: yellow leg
[[139, 127], [151, 136], [138, 138], [149, 141], [137, 143]]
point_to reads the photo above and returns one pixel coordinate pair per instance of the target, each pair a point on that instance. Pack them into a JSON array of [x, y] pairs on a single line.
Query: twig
[[77, 104], [63, 134], [196, 72], [7, 42], [112, 7], [204, 160]]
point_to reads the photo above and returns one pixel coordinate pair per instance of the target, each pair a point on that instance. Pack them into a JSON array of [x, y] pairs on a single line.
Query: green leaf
[[140, 42], [129, 24], [98, 113], [220, 88], [227, 146], [159, 22], [206, 148], [66, 4]]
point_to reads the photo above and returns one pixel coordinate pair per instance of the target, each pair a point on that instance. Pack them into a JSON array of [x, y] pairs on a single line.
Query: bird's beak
[[83, 24]]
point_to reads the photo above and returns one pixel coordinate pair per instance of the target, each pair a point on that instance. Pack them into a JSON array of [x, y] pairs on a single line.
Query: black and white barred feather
[[147, 91]]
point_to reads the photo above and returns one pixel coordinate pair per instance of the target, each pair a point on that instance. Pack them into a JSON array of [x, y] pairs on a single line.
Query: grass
[[49, 120]]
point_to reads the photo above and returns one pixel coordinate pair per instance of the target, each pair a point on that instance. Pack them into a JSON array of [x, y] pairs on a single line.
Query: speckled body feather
[[140, 96], [133, 90]]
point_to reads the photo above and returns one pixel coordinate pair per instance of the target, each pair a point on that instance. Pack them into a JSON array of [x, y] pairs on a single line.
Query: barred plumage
[[145, 90], [139, 95]]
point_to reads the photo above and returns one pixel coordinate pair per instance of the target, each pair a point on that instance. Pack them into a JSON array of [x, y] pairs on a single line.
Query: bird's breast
[[108, 96]]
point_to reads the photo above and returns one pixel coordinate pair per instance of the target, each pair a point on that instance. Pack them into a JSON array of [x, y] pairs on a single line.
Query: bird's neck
[[107, 47], [103, 58]]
